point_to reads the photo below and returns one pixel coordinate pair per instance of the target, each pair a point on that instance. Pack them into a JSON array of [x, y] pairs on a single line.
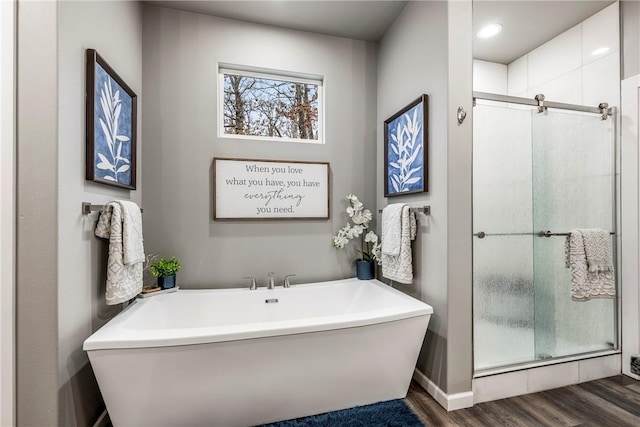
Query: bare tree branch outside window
[[261, 106]]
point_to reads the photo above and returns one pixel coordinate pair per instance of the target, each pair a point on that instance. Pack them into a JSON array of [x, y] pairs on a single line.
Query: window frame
[[274, 75]]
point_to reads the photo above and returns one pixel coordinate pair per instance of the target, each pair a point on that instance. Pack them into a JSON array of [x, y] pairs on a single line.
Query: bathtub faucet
[[287, 283], [271, 284], [253, 286]]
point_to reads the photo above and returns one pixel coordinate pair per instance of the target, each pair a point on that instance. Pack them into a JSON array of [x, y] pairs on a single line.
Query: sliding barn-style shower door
[[573, 187], [537, 172]]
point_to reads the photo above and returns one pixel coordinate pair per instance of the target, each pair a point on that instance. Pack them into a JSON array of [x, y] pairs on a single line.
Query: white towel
[[392, 229], [121, 223], [597, 248], [400, 267], [588, 255]]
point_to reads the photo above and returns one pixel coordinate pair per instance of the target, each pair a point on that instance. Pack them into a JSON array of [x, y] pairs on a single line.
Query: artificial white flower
[[362, 218], [356, 204], [345, 232], [376, 252], [357, 218], [371, 237], [339, 241], [371, 248]]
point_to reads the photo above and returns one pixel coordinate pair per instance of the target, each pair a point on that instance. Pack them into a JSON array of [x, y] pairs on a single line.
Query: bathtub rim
[[113, 335]]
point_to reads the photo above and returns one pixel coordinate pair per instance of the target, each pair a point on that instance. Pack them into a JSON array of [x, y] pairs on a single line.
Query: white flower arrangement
[[371, 247]]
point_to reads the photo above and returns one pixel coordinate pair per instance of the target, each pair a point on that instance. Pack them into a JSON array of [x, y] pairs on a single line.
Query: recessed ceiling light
[[600, 51], [489, 31]]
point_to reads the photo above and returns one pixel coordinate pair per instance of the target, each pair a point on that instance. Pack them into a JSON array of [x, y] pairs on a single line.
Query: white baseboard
[[450, 402], [102, 420]]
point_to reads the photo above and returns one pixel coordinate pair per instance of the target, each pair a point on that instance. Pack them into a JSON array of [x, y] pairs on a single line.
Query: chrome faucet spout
[[253, 286], [287, 283], [271, 284]]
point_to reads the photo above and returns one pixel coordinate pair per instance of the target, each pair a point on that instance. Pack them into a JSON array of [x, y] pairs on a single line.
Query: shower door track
[[515, 367], [601, 109]]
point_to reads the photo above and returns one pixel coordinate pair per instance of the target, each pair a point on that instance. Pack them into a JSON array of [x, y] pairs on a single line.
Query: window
[[270, 106]]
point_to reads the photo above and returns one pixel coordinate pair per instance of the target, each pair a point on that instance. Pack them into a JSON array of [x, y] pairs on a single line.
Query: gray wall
[[37, 232], [60, 268], [459, 199], [181, 53], [82, 256], [630, 25], [414, 59]]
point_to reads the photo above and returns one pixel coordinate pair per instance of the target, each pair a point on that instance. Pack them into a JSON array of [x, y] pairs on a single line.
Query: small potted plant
[[165, 270], [370, 246]]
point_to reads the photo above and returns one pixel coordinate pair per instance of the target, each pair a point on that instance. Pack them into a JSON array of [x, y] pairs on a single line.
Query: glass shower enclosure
[[538, 173]]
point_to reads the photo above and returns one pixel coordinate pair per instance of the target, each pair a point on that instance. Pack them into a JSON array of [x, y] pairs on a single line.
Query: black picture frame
[[406, 148], [111, 125]]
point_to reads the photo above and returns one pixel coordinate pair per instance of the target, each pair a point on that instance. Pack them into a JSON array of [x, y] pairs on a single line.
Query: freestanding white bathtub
[[236, 357]]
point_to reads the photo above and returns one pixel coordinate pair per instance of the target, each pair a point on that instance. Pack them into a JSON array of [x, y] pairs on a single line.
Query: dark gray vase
[[365, 270], [167, 282]]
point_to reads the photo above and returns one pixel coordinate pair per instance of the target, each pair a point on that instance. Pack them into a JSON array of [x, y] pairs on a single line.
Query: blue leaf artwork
[[405, 145], [112, 129]]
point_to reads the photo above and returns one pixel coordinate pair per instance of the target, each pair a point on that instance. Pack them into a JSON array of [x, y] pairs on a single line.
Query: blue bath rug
[[394, 413]]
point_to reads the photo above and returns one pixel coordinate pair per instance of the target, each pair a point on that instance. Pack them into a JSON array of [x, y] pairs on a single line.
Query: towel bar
[[549, 234], [482, 234], [423, 210], [87, 208]]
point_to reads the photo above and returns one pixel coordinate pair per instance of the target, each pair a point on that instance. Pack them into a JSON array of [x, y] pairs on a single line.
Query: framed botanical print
[[405, 149], [111, 123]]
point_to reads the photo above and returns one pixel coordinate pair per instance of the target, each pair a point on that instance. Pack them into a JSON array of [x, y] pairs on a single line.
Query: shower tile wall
[[563, 68], [489, 77], [517, 81], [555, 58], [606, 89]]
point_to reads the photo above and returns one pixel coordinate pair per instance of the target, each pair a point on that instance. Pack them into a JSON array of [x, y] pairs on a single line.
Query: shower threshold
[[544, 362]]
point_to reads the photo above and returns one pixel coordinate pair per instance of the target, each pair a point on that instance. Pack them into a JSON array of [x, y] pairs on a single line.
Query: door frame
[[630, 225], [7, 210]]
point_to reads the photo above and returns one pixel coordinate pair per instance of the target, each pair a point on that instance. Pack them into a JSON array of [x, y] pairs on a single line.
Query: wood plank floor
[[609, 402]]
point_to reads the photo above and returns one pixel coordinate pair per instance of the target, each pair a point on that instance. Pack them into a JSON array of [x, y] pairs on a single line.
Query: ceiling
[[526, 23], [361, 19]]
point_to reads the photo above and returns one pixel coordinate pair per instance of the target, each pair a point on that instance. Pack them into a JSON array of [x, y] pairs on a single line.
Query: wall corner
[[459, 198]]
